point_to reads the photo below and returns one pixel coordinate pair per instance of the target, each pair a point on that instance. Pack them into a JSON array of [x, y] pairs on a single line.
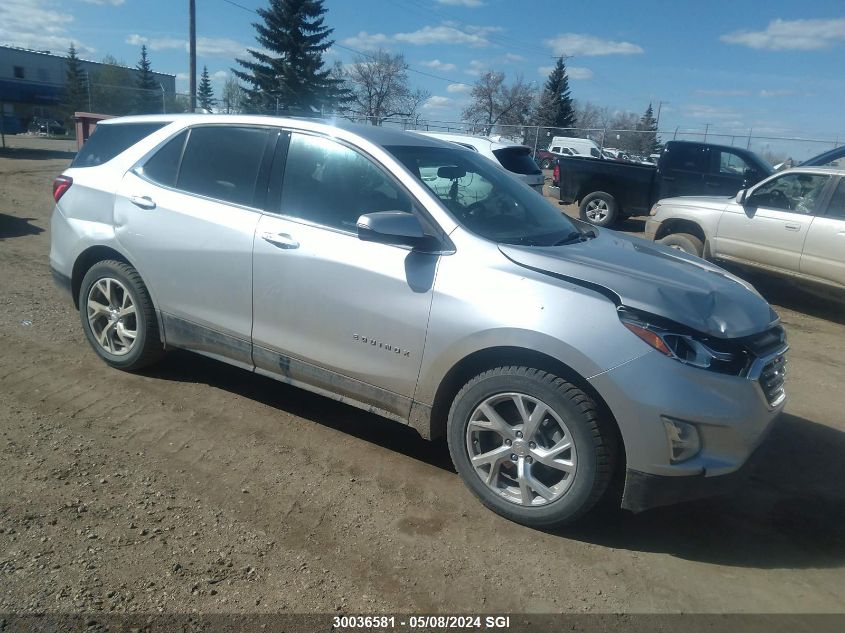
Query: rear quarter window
[[109, 140], [517, 160]]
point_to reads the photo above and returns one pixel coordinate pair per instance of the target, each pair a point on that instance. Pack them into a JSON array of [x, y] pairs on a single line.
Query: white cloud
[[513, 57], [585, 45], [472, 4], [776, 93], [367, 41], [114, 3], [446, 34], [704, 111], [784, 35], [436, 64], [182, 76], [461, 89], [438, 103], [39, 25], [574, 72], [723, 93], [476, 67], [206, 46], [220, 75]]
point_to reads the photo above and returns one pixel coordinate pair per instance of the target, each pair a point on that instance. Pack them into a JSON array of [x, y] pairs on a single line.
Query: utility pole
[[192, 17], [659, 107]]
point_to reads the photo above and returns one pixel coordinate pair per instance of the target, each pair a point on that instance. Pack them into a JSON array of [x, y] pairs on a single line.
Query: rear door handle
[[145, 202], [792, 227], [280, 240]]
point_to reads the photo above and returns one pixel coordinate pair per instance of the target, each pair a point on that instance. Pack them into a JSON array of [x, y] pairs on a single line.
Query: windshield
[[485, 199]]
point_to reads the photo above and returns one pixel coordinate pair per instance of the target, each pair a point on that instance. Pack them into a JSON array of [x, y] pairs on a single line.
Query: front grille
[[772, 378]]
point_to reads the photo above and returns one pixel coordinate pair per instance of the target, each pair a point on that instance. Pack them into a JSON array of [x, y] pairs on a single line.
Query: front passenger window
[[797, 192], [330, 184]]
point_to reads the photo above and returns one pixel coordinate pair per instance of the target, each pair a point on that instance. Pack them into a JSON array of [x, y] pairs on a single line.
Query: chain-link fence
[[774, 148]]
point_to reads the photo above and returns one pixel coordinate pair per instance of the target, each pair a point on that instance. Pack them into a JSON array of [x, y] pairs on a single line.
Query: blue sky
[[776, 66]]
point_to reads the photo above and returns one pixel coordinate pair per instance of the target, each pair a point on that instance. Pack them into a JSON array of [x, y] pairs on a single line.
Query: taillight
[[60, 185], [556, 173]]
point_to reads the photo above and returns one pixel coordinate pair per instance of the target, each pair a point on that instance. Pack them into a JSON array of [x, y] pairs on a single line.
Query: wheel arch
[[595, 186], [491, 357], [681, 225]]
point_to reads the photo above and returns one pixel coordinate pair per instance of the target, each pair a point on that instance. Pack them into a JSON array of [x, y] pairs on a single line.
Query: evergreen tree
[[75, 95], [109, 94], [648, 143], [148, 99], [205, 93], [556, 109], [288, 73]]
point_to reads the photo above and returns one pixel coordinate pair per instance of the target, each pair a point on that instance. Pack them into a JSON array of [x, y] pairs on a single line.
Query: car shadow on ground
[[788, 513], [817, 302], [13, 226]]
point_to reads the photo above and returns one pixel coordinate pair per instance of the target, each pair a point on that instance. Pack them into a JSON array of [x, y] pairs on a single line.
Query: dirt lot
[[200, 487]]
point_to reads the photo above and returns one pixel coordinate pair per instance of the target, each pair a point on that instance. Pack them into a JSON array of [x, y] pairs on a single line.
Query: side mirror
[[398, 228], [740, 196]]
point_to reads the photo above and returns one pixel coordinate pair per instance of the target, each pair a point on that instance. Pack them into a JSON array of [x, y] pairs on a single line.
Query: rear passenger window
[[836, 208], [163, 167], [222, 162], [109, 140], [330, 184], [686, 157]]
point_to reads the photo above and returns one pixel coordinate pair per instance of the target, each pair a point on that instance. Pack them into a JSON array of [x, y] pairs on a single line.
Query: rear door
[[681, 170], [188, 217], [769, 229], [824, 248]]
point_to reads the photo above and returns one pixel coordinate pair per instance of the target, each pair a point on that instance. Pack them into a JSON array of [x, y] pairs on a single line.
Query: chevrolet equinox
[[418, 280]]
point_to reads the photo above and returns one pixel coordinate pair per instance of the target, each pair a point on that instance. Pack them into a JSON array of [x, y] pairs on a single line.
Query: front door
[[769, 229], [332, 312]]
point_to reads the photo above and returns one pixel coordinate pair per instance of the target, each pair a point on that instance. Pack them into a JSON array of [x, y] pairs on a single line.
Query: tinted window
[[222, 162], [836, 208], [163, 167], [109, 140], [686, 157], [485, 199], [333, 185], [517, 159], [791, 192], [731, 165]]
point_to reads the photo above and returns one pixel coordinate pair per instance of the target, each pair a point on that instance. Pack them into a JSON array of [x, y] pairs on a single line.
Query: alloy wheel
[[521, 449], [597, 210], [112, 316]]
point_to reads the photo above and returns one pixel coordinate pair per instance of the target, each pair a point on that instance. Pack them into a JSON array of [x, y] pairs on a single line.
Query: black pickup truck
[[608, 190]]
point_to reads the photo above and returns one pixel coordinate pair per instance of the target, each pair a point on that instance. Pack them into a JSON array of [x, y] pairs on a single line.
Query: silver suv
[[556, 358]]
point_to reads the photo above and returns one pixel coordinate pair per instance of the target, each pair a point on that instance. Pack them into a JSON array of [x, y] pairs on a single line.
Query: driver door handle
[[792, 227], [280, 240], [144, 202]]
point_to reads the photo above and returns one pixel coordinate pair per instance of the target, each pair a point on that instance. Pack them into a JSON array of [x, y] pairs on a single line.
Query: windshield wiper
[[575, 236]]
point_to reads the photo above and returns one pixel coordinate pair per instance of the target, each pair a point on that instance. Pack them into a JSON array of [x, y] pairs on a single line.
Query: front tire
[[600, 209], [689, 244], [531, 446], [118, 316]]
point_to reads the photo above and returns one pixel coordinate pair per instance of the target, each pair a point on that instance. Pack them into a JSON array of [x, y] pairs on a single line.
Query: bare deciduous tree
[[232, 96], [495, 103], [379, 87]]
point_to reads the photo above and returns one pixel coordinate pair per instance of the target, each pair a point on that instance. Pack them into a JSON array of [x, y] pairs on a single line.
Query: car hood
[[655, 279], [713, 202]]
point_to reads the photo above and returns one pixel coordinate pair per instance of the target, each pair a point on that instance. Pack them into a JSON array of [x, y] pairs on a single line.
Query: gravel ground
[[198, 487]]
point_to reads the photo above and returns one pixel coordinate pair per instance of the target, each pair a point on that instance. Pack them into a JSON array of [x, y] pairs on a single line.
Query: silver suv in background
[[513, 157], [552, 355], [791, 225]]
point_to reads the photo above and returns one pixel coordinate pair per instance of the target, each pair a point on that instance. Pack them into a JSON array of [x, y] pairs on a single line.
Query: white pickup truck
[[791, 224]]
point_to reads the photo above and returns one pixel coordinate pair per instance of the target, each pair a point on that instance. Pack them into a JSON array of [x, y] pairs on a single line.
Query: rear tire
[[600, 209], [548, 485], [689, 244], [118, 316], [546, 163]]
